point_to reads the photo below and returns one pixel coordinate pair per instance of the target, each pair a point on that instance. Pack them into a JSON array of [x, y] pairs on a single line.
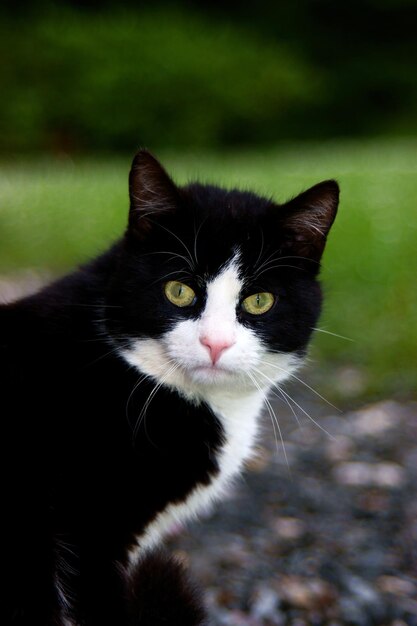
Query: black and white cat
[[131, 392]]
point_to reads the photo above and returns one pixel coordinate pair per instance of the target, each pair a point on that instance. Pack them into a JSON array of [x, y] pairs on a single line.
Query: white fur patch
[[235, 387], [241, 426]]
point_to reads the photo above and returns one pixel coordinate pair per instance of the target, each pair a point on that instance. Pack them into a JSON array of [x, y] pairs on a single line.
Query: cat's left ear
[[152, 193], [308, 217]]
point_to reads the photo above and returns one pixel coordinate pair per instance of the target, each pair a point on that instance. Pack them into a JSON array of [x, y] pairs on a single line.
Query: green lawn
[[55, 214]]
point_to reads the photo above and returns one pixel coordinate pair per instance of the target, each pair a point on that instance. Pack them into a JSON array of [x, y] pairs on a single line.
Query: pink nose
[[216, 346]]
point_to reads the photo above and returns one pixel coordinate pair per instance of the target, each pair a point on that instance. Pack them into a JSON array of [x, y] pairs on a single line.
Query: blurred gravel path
[[331, 542]]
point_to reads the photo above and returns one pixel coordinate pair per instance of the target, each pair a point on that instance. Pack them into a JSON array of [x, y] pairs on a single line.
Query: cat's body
[[127, 407]]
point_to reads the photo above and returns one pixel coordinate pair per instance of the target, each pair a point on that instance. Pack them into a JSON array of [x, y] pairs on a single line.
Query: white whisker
[[273, 417], [106, 354], [279, 265], [262, 249], [326, 432], [196, 237], [258, 387], [190, 259], [174, 255], [177, 273], [273, 258], [283, 398], [139, 381], [151, 396], [270, 259], [328, 332], [303, 383], [296, 403]]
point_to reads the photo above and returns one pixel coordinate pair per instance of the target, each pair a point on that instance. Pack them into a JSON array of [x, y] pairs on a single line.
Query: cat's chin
[[208, 375]]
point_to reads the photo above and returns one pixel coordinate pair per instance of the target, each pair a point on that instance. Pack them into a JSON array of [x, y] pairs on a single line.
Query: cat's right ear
[[152, 193]]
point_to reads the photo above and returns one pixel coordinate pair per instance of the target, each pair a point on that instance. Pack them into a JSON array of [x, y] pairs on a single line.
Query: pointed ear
[[308, 218], [151, 192]]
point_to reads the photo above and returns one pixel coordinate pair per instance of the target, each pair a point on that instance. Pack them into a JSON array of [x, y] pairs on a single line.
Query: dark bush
[[77, 78]]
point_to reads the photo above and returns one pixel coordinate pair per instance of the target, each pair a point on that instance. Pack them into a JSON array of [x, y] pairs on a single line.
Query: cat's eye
[[258, 303], [179, 293]]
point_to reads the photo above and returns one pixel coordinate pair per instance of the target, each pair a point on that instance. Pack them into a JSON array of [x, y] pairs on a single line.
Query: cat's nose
[[216, 346]]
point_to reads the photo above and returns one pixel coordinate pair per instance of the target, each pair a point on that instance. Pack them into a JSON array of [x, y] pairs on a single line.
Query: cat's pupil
[[261, 300]]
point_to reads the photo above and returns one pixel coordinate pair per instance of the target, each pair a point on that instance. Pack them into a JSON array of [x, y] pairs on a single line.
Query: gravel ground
[[329, 540]]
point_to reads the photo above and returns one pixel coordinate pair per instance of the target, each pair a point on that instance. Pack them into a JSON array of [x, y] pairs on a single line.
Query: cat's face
[[217, 288]]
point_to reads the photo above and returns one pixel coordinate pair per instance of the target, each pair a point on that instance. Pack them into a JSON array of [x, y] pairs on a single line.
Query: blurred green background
[[270, 96]]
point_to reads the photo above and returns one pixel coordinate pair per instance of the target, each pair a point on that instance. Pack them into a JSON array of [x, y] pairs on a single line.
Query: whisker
[[190, 260], [326, 432], [301, 258], [179, 256], [175, 272], [114, 350], [328, 332], [284, 399], [258, 387], [140, 380], [271, 267], [296, 403], [151, 396], [262, 249], [272, 259], [303, 383], [148, 402], [274, 418], [196, 237], [174, 255]]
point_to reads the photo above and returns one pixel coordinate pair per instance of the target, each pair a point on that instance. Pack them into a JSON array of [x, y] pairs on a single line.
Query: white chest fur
[[234, 385], [239, 418]]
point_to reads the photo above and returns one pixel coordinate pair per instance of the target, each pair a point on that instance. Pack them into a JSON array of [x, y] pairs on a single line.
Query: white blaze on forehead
[[219, 315]]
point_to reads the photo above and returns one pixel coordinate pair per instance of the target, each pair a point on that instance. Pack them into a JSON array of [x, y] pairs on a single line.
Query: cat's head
[[217, 287]]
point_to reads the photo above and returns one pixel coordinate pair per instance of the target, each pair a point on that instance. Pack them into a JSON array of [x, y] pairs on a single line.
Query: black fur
[[161, 592], [80, 477]]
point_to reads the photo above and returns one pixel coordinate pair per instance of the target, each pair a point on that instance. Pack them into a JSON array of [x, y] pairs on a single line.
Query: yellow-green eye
[[179, 294], [258, 303]]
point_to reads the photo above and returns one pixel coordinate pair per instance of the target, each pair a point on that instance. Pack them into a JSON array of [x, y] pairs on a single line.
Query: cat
[[132, 390]]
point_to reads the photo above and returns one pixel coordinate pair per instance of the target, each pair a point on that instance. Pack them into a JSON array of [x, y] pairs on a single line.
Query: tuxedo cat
[[131, 392]]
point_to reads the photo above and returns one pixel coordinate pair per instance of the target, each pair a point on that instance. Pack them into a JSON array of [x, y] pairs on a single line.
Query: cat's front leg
[[155, 591], [160, 591]]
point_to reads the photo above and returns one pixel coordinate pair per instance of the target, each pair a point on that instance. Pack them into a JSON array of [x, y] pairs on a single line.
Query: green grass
[[55, 214]]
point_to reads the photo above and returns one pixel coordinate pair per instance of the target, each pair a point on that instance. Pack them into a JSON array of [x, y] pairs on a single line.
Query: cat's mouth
[[210, 373], [211, 369]]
